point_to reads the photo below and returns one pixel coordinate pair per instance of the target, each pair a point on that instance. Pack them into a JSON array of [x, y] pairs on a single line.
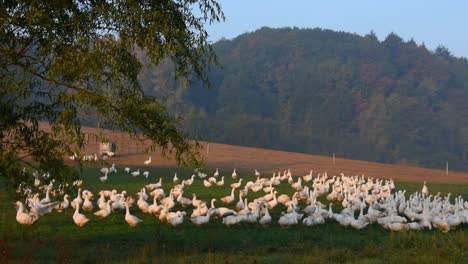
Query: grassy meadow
[[55, 238]]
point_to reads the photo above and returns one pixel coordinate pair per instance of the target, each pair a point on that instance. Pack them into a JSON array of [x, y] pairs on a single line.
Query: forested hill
[[322, 92]]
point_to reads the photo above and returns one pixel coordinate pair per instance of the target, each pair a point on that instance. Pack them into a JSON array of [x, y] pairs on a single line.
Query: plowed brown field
[[130, 152]]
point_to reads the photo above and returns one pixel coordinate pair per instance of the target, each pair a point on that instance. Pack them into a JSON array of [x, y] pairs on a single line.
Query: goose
[[308, 177], [168, 201], [216, 173], [184, 201], [179, 219], [221, 211], [228, 199], [142, 204], [47, 198], [284, 198], [287, 220], [189, 182], [297, 185], [105, 212], [148, 161], [79, 219], [221, 182], [195, 202], [236, 185], [256, 187], [112, 168], [163, 213], [175, 180], [107, 193], [266, 218], [269, 197], [65, 204], [207, 184], [103, 178], [118, 204], [443, 225], [132, 220], [105, 171], [23, 217], [203, 219], [158, 193], [78, 200], [257, 173], [230, 220], [154, 208], [157, 185], [127, 170], [146, 174], [234, 174], [240, 204], [136, 173], [273, 203], [101, 202], [425, 190], [414, 226], [87, 204], [37, 182], [269, 188], [315, 219], [361, 222]]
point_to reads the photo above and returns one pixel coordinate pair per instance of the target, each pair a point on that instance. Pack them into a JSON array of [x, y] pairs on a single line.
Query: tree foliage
[[64, 62], [323, 92]]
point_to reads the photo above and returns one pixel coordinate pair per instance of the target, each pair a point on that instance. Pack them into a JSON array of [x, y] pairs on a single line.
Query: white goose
[[189, 182], [175, 180], [266, 218], [234, 174], [203, 219], [221, 182], [47, 198], [87, 204], [132, 220], [148, 161], [228, 199], [103, 178], [23, 217], [105, 212], [237, 184], [65, 204], [153, 186], [207, 184], [136, 173], [79, 219]]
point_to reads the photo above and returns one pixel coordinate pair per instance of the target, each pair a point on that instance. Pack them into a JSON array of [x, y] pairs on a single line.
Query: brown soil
[[130, 152]]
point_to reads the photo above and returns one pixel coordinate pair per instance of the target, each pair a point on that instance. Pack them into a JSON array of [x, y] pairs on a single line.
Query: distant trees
[[320, 91]]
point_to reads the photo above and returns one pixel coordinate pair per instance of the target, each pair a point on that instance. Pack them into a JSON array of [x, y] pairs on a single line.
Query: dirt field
[[131, 153]]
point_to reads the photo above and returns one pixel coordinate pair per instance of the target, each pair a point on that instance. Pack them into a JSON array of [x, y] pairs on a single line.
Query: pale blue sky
[[432, 22]]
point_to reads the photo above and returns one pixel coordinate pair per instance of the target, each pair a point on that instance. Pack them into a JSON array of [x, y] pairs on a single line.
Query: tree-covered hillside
[[323, 92]]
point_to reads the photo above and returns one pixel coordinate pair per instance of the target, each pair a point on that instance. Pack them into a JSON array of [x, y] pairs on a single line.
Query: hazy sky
[[432, 22]]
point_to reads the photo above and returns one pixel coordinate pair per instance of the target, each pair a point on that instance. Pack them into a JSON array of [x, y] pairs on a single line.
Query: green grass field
[[55, 238]]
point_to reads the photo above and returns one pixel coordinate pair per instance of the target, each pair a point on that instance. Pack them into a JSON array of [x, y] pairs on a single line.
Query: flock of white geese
[[364, 201]]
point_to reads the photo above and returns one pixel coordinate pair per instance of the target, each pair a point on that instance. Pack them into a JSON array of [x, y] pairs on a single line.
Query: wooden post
[[446, 169], [207, 150], [333, 159]]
